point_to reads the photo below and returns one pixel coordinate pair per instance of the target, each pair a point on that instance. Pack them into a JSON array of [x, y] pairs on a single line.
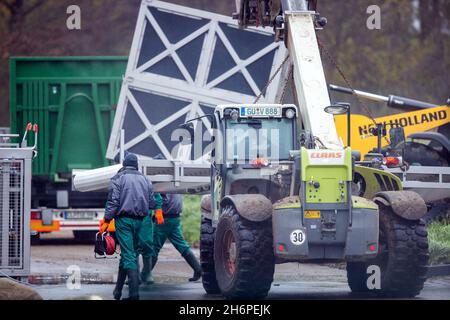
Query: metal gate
[[183, 63], [15, 188]]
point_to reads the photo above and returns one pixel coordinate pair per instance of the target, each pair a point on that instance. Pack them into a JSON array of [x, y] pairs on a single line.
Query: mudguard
[[374, 180], [253, 207], [406, 204]]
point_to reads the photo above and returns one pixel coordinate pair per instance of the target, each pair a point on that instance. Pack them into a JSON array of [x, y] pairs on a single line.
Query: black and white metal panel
[[183, 62], [15, 193]]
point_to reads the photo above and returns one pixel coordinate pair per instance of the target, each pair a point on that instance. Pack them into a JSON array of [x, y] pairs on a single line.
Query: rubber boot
[[146, 274], [191, 259], [139, 267], [121, 277], [133, 284], [154, 261]]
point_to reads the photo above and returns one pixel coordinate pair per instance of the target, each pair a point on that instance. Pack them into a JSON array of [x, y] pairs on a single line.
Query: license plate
[[262, 112], [79, 215], [312, 214]]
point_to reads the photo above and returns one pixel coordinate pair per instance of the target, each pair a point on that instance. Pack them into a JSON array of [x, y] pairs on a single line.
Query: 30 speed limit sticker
[[298, 237]]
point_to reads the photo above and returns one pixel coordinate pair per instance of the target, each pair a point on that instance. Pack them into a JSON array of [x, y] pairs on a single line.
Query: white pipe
[[94, 180]]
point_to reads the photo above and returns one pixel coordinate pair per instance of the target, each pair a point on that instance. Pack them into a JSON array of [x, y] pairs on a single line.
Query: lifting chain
[[290, 78], [264, 90], [324, 49]]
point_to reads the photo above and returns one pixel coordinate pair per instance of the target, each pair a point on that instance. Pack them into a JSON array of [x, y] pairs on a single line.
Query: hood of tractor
[[326, 223]]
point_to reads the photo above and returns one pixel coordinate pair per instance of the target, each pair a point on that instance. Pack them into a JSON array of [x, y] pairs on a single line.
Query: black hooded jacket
[[130, 193], [172, 205]]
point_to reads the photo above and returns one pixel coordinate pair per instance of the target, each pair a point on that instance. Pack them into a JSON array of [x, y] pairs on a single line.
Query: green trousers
[[171, 229], [127, 233], [146, 238], [146, 234]]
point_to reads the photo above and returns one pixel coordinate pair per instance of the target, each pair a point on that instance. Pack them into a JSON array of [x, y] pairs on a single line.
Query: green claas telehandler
[[297, 206]]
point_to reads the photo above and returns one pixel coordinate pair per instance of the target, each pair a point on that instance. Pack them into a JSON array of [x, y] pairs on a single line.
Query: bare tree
[[18, 10]]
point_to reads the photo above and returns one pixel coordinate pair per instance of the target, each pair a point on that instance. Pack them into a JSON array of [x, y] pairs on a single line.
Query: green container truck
[[72, 99]]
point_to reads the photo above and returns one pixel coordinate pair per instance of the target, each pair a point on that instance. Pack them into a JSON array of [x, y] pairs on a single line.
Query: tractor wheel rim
[[230, 253]]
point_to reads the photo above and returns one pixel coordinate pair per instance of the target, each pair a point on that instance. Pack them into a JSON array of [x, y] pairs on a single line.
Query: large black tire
[[243, 255], [424, 155], [207, 257], [402, 258]]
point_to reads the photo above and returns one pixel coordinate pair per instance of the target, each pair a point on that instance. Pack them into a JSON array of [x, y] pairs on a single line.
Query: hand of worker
[[159, 216], [104, 226]]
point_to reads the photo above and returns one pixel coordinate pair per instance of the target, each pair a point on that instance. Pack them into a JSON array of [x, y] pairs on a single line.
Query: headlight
[[290, 113]]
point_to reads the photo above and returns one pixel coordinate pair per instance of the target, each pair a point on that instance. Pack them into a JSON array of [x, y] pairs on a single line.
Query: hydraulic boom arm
[[391, 100], [295, 20]]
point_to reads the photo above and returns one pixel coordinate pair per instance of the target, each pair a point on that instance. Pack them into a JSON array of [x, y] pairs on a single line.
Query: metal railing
[[11, 222], [432, 183], [15, 198]]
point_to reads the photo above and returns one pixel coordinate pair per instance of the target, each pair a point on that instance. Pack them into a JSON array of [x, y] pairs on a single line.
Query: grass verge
[[439, 241], [190, 220]]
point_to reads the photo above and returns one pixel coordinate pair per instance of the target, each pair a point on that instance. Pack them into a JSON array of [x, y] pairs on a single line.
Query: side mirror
[[356, 155], [379, 131], [397, 137]]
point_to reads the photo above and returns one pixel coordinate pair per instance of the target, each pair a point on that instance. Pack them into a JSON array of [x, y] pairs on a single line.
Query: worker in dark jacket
[[170, 228], [129, 200]]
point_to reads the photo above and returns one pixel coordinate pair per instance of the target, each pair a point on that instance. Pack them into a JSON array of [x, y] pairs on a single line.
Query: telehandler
[[299, 207]]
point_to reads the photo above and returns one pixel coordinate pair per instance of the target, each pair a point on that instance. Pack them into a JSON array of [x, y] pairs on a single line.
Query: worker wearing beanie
[[169, 228], [129, 200]]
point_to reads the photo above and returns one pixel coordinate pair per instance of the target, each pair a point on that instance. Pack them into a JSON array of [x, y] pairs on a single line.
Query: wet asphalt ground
[[54, 262], [436, 289]]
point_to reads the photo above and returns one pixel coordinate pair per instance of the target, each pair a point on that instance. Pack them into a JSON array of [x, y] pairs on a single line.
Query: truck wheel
[[207, 257], [35, 239], [243, 255], [424, 155], [402, 258]]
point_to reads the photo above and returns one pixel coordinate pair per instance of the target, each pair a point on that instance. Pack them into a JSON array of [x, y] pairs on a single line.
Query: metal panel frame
[[24, 156], [437, 189], [195, 91]]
